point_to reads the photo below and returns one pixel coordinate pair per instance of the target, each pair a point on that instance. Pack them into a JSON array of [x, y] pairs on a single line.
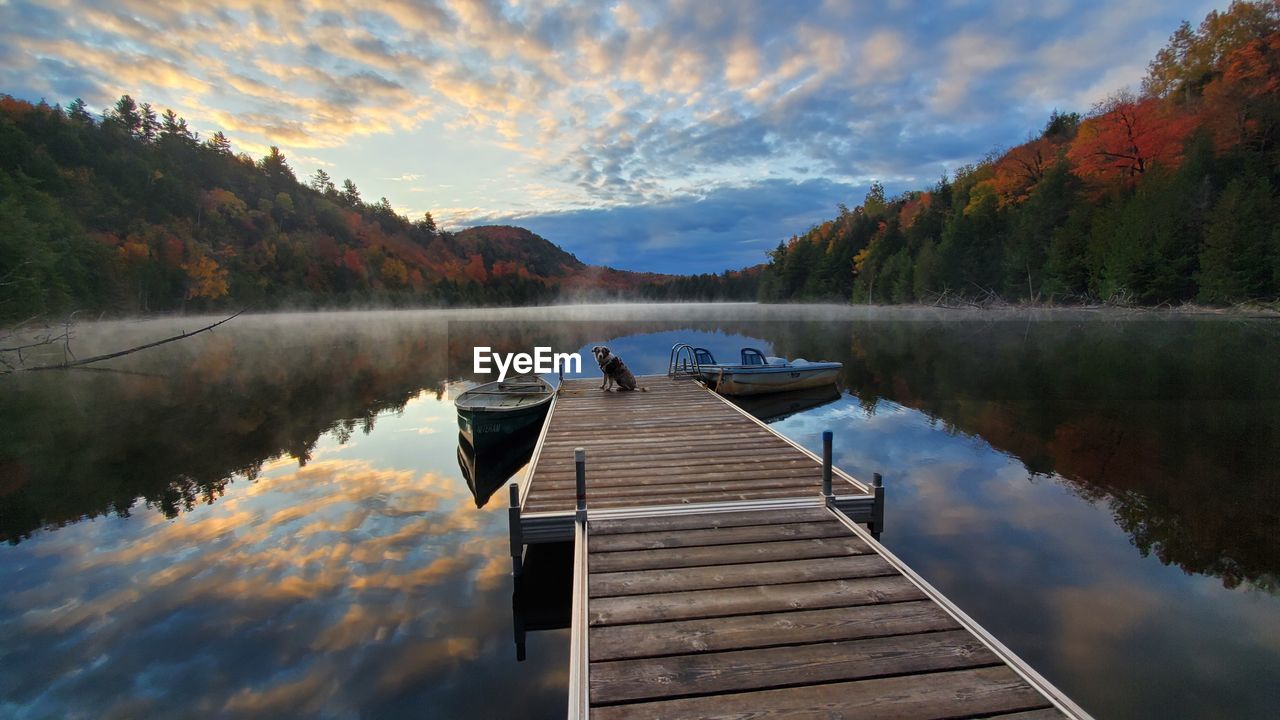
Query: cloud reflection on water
[[328, 589], [1050, 572]]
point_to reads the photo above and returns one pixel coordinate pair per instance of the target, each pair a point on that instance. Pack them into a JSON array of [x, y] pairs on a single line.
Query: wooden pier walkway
[[710, 585]]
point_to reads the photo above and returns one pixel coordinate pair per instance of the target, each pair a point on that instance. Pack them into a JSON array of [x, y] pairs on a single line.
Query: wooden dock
[[712, 578]]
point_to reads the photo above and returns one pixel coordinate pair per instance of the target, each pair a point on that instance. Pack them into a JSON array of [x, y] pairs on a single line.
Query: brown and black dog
[[615, 371]]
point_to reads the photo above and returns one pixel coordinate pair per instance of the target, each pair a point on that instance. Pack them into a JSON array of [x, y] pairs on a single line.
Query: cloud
[[969, 56], [882, 53], [710, 231]]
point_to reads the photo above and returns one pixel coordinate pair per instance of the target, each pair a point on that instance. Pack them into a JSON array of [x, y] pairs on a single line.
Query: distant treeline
[[735, 285], [1167, 196], [133, 212]]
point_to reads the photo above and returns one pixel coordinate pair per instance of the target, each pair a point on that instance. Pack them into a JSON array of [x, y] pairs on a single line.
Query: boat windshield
[[751, 356], [704, 356]]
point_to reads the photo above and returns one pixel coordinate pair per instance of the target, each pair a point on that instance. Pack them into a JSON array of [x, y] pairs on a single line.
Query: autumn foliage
[[126, 212], [206, 279], [1019, 171], [1126, 136], [1168, 196]]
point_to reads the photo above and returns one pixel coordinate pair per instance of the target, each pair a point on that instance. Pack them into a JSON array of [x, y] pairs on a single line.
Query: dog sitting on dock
[[615, 371]]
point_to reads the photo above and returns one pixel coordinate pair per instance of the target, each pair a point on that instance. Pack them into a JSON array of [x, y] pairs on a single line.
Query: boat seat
[[752, 356]]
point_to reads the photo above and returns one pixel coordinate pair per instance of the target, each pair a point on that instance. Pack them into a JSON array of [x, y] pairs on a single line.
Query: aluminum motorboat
[[756, 374]]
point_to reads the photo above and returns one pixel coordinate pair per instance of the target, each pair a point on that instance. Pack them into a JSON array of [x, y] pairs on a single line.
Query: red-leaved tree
[[1125, 136]]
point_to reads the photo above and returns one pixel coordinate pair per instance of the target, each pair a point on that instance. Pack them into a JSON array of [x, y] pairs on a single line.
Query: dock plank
[[728, 554], [757, 599], [724, 469], [959, 693], [620, 642], [663, 456], [648, 582], [704, 479], [742, 670], [621, 439], [707, 520], [714, 536]]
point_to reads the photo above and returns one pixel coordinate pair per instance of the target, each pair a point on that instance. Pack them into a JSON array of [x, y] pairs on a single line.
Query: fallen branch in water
[[65, 364], [36, 341]]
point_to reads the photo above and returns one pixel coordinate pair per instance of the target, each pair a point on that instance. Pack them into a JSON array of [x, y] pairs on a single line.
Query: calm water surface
[[271, 520]]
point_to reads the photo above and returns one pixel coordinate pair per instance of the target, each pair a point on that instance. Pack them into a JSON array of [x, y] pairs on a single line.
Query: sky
[[685, 136]]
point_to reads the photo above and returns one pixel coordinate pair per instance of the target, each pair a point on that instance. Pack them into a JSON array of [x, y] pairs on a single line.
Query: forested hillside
[[133, 212], [1166, 196]]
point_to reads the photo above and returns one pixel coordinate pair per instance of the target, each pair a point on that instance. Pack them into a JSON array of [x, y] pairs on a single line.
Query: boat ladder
[[683, 361]]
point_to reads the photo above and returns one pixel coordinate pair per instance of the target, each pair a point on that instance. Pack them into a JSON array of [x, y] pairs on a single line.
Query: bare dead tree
[[36, 340], [69, 360]]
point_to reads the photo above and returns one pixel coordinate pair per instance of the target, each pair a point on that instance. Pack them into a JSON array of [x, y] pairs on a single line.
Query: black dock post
[[517, 618], [517, 534], [877, 508], [826, 468]]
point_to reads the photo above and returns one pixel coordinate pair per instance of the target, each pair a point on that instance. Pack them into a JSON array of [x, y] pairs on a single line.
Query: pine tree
[[427, 224], [150, 126], [350, 194], [321, 182], [125, 116], [220, 144], [1234, 264], [77, 112], [174, 128]]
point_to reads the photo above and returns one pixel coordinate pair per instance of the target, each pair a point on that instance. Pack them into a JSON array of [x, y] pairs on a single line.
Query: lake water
[[270, 520]]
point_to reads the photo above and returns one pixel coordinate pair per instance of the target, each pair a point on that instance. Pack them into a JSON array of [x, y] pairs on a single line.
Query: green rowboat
[[490, 414]]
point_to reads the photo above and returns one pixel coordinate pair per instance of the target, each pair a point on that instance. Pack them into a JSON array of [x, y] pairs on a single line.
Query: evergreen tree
[[1067, 267], [1234, 264], [126, 116], [220, 144], [174, 128], [321, 182], [1061, 126], [149, 126], [350, 194], [427, 224], [76, 111], [1032, 227], [276, 167]]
